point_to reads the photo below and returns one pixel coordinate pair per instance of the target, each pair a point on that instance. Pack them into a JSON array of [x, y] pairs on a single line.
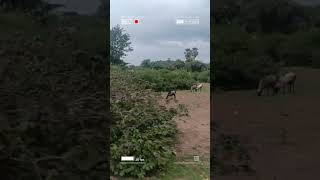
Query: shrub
[[204, 76], [55, 106], [140, 127], [240, 71], [164, 80], [195, 66]]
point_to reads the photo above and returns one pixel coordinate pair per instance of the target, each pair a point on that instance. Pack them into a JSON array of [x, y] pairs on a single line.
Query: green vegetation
[[170, 74], [140, 126], [186, 171], [164, 80], [54, 123], [190, 66], [255, 38], [119, 45]]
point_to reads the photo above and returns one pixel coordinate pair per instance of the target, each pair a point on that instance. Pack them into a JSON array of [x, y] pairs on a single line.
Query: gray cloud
[[157, 36]]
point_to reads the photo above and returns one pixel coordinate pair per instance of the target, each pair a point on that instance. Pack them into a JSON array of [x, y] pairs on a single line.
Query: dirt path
[[281, 133], [193, 130]]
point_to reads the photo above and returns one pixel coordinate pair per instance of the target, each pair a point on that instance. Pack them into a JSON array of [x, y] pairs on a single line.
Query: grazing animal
[[196, 87], [171, 93], [267, 83], [287, 81], [193, 87]]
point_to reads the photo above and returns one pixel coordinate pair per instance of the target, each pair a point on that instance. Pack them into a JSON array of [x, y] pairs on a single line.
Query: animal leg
[[289, 88], [293, 86]]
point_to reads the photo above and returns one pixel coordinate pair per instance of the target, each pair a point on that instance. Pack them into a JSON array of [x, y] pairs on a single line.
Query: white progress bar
[[127, 158]]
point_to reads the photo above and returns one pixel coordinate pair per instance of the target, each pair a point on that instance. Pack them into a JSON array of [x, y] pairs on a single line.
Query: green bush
[[241, 71], [195, 66], [164, 80], [140, 127], [53, 105], [204, 76]]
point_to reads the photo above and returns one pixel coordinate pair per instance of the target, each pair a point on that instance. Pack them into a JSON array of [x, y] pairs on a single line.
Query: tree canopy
[[119, 45]]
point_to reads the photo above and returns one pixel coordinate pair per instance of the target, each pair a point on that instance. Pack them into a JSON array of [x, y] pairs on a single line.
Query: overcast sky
[[157, 37]]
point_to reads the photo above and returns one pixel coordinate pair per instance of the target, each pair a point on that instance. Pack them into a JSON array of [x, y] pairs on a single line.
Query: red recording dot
[[136, 21]]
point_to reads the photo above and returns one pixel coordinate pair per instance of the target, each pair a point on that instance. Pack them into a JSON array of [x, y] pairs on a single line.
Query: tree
[[146, 63], [179, 64], [191, 54], [119, 45], [196, 66]]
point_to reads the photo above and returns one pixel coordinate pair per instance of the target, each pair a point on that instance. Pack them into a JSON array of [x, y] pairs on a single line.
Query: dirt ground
[[281, 133], [193, 130]]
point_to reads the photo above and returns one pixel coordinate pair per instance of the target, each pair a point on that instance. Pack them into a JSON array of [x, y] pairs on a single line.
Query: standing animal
[[193, 87], [171, 93], [267, 83], [196, 87], [287, 81]]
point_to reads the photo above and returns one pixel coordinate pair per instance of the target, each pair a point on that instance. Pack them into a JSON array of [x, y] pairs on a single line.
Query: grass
[[186, 171], [195, 171], [206, 87], [176, 171]]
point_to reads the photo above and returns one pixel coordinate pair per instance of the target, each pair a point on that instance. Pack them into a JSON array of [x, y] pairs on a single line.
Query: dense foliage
[[119, 45], [52, 102], [165, 80], [193, 66], [140, 126], [255, 38]]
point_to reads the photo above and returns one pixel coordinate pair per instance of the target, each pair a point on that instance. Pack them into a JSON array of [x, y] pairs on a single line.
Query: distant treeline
[[193, 66], [172, 74], [164, 79]]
